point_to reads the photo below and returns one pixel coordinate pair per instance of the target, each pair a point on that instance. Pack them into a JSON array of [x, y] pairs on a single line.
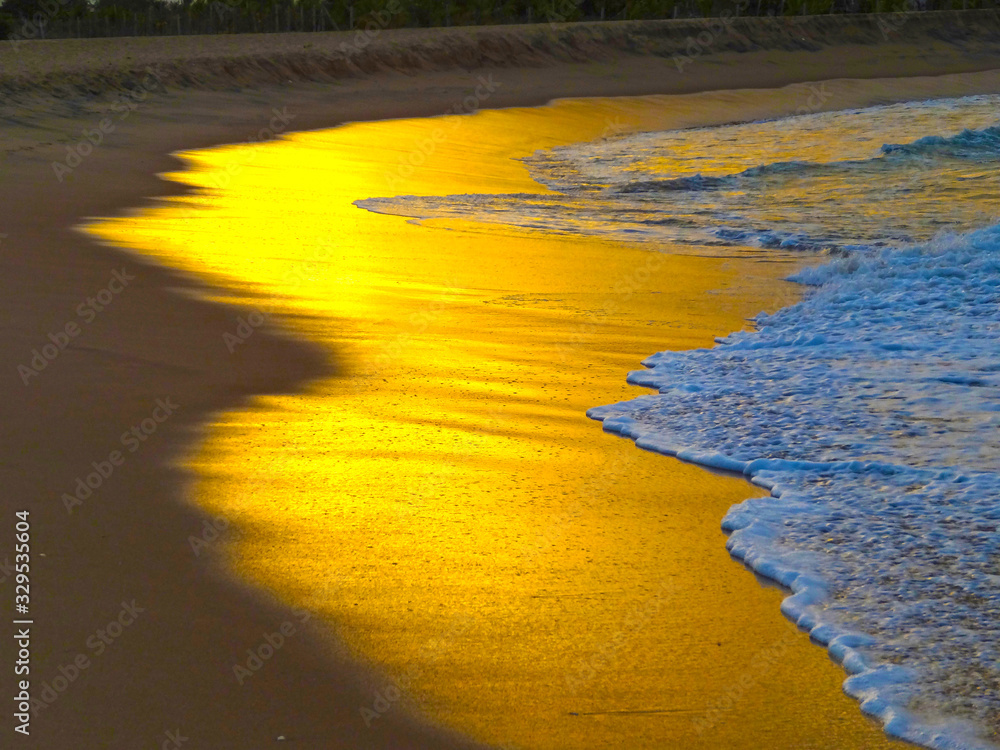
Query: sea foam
[[828, 181], [870, 411]]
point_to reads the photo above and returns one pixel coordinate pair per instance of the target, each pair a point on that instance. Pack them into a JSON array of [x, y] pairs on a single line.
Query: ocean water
[[815, 182], [870, 409]]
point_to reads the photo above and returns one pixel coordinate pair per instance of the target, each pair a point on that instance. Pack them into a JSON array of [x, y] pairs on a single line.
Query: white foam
[[871, 412], [793, 184]]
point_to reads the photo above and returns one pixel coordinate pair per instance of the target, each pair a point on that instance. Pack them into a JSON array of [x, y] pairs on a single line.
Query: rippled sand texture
[[443, 501]]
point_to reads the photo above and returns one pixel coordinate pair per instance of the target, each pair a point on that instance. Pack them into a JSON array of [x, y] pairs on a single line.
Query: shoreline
[[109, 379], [518, 424]]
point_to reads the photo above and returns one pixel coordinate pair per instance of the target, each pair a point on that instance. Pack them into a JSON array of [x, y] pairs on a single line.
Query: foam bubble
[[871, 412]]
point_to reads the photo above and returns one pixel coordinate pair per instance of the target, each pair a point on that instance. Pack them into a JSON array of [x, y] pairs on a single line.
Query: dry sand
[[155, 340], [922, 40]]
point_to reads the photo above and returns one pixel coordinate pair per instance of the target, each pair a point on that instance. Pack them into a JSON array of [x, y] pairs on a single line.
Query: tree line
[[53, 19]]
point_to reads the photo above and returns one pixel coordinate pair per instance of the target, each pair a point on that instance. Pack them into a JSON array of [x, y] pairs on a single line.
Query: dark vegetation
[[52, 19]]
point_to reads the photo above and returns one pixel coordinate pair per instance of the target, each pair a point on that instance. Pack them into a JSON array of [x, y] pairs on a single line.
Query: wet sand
[[442, 501], [132, 539]]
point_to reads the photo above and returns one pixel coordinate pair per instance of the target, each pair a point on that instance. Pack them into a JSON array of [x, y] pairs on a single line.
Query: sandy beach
[[146, 353]]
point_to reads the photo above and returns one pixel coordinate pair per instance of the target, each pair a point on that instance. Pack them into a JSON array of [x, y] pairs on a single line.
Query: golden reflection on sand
[[443, 501]]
